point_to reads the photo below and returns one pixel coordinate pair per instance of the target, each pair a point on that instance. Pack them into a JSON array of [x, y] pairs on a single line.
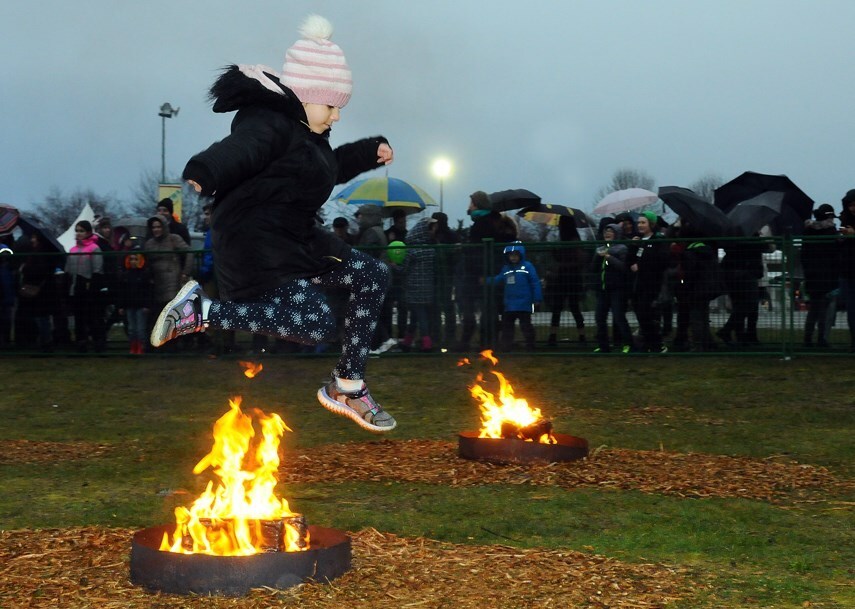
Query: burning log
[[532, 432], [267, 535]]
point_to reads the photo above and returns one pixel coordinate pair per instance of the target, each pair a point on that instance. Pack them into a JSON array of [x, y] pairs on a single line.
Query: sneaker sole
[[155, 338], [345, 411]]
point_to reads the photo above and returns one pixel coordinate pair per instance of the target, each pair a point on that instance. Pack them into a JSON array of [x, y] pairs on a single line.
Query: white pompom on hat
[[315, 68]]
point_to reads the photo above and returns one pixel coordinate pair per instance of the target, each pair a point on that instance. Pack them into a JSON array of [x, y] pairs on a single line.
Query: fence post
[[787, 277], [488, 310]]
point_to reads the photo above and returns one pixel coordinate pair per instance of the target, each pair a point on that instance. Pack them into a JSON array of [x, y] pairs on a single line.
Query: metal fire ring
[[328, 557], [511, 450]]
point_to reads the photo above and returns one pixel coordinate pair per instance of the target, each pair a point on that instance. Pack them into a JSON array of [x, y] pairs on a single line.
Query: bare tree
[[144, 199], [144, 194], [627, 178], [58, 210], [535, 231], [705, 186]]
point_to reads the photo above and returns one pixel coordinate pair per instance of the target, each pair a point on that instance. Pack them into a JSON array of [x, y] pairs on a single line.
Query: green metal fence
[[779, 305]]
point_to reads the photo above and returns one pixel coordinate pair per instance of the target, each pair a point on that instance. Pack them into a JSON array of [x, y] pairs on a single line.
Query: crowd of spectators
[[446, 292]]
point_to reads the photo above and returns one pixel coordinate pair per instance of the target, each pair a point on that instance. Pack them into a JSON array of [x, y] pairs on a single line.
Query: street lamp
[[442, 169], [166, 111]]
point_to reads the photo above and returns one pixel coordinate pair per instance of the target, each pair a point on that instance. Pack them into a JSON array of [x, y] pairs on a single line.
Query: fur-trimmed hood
[[241, 86], [164, 222], [821, 226]]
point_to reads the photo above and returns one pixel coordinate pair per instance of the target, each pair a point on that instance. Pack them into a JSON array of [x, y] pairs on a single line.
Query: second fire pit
[[513, 450], [511, 430]]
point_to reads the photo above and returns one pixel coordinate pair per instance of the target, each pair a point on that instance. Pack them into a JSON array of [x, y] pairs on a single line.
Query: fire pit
[[513, 450], [327, 557], [238, 535], [512, 431]]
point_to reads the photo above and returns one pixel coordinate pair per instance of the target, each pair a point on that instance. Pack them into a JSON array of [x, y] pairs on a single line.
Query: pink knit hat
[[315, 69]]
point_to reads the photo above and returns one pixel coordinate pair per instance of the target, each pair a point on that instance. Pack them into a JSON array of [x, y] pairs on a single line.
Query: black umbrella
[[548, 213], [750, 216], [702, 215], [796, 205], [504, 200], [30, 226]]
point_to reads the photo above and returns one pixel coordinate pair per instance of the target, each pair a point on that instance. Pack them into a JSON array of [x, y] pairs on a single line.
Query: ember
[[241, 515], [251, 369], [509, 416]]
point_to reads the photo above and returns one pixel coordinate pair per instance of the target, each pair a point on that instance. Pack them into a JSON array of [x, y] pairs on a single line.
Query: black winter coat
[[269, 178], [652, 257], [820, 261]]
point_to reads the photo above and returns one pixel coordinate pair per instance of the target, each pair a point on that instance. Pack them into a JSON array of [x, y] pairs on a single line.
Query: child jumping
[[522, 293], [268, 178]]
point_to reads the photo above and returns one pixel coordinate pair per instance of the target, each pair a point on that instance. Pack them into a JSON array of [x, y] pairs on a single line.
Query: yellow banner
[[171, 191]]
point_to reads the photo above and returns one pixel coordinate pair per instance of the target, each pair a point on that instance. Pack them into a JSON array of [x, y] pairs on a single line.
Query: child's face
[[514, 257], [134, 261], [321, 117]]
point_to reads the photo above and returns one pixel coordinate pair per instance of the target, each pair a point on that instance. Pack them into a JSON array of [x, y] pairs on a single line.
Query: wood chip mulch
[[88, 568], [682, 474], [775, 479], [27, 451]]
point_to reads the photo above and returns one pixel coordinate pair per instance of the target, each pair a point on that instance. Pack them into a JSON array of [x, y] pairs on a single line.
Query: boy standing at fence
[[134, 302], [522, 293]]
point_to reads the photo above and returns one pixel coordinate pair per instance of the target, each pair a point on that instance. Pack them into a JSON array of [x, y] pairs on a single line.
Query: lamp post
[[166, 111], [442, 169]]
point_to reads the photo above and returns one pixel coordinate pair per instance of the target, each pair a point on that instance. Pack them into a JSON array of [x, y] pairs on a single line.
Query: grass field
[[110, 441]]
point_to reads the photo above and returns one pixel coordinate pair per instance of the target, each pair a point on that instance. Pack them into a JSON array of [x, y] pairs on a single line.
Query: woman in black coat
[[36, 303], [820, 266], [269, 177]]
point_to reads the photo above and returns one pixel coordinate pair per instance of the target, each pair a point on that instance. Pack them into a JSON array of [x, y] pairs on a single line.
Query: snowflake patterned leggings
[[297, 311]]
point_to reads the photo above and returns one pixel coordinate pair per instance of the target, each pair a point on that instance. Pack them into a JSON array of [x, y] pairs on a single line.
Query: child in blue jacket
[[522, 293]]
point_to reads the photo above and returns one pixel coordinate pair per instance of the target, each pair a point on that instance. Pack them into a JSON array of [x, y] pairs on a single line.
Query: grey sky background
[[546, 95]]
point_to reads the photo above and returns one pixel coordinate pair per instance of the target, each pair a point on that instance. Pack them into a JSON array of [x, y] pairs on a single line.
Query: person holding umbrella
[[269, 177], [820, 266], [648, 259], [487, 223]]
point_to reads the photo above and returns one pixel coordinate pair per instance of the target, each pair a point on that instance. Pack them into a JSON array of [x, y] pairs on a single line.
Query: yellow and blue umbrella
[[387, 193], [550, 214]]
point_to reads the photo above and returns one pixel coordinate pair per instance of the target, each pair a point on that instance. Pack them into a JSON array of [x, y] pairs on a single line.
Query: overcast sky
[[548, 95]]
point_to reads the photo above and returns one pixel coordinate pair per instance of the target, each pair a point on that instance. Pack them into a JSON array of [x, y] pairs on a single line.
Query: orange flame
[[463, 362], [251, 369], [246, 467], [488, 354], [504, 408]]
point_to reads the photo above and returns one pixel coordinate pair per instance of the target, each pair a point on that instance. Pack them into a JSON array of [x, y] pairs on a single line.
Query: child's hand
[[384, 154]]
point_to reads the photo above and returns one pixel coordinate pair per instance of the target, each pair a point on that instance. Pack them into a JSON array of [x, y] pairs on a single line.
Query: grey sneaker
[[182, 315], [358, 405]]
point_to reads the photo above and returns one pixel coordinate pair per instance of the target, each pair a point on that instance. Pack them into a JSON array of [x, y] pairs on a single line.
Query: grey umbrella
[[750, 216]]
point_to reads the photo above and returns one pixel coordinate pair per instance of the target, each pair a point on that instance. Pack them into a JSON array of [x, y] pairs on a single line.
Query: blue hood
[[516, 246]]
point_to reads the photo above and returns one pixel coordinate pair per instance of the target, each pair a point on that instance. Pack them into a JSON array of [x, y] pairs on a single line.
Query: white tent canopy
[[67, 238]]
